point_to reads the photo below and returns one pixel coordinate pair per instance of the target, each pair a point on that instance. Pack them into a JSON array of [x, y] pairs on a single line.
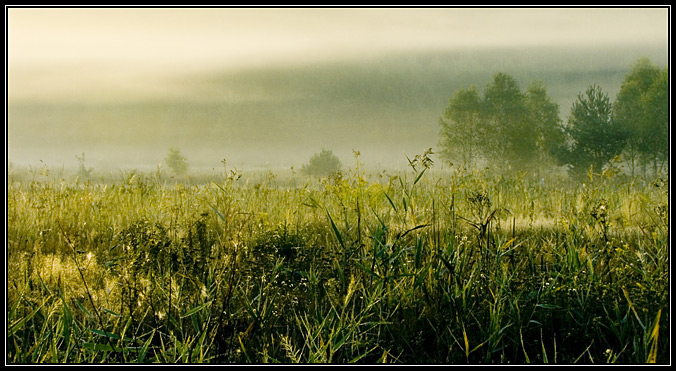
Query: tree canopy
[[324, 163], [463, 128], [506, 127], [176, 162], [596, 138], [516, 130], [641, 111]]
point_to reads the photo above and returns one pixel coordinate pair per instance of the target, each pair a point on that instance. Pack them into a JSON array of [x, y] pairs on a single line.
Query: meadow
[[419, 266]]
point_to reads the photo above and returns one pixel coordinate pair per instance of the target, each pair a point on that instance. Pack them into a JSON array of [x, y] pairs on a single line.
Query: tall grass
[[410, 267]]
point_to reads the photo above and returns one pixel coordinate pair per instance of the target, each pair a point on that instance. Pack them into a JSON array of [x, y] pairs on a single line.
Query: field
[[422, 266]]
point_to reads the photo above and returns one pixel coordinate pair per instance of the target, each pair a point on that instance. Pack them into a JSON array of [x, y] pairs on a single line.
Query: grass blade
[[654, 337], [335, 230], [218, 213], [419, 176], [21, 323], [67, 323], [194, 310], [390, 200]]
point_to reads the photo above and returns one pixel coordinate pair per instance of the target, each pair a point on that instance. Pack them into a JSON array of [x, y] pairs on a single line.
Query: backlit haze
[[270, 87]]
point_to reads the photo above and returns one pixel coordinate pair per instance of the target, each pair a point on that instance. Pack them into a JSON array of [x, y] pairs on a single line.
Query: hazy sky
[[128, 55], [129, 50], [244, 36]]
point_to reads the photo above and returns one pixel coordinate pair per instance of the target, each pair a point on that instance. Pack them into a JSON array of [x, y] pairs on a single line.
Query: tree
[[176, 162], [511, 139], [546, 122], [462, 128], [631, 110], [322, 164], [506, 127], [595, 137], [655, 133], [82, 171]]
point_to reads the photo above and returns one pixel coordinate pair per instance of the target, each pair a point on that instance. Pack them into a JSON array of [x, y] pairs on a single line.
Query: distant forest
[[522, 130]]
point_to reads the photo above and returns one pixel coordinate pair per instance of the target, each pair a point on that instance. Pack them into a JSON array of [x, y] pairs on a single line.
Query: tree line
[[520, 130]]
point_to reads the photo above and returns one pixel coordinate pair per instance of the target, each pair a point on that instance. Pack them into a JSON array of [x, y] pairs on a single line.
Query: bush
[[321, 164], [176, 162]]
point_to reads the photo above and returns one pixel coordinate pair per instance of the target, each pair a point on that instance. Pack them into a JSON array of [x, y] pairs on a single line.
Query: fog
[[270, 87]]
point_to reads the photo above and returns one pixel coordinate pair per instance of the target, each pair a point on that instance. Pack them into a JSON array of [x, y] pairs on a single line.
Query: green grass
[[412, 267]]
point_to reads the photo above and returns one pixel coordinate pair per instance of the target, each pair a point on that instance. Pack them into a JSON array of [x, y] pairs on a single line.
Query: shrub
[[322, 164], [176, 162]]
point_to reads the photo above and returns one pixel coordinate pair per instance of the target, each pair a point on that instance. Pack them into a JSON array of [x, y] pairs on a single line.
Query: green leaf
[[415, 228], [335, 230], [21, 323], [82, 308], [654, 337], [111, 312], [218, 213], [105, 333], [67, 323], [447, 264], [313, 203], [367, 270], [419, 176], [195, 310], [221, 188], [144, 349], [390, 200], [249, 308], [100, 347]]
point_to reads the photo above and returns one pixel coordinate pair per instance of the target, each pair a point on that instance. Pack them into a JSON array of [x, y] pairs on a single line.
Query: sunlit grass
[[405, 267]]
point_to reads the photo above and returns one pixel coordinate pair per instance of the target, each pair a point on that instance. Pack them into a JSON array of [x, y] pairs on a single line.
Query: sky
[[123, 55], [181, 37], [58, 53]]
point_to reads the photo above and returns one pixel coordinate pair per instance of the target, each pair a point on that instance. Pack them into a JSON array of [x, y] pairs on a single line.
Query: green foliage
[[511, 142], [639, 110], [544, 116], [321, 164], [595, 137], [463, 129], [505, 128], [514, 130], [177, 163], [655, 133], [434, 267]]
